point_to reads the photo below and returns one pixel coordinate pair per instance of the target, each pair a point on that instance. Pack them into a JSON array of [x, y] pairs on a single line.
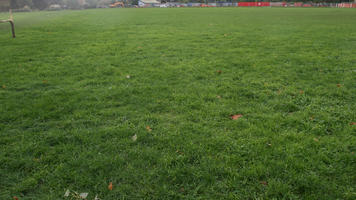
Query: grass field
[[76, 86]]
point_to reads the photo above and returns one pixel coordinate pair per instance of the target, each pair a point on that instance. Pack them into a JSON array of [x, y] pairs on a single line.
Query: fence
[[346, 5], [262, 4]]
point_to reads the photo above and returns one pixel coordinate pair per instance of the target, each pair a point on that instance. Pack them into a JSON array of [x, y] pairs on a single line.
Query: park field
[[179, 103]]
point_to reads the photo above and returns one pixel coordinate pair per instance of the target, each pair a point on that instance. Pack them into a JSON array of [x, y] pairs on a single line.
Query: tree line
[[70, 4], [77, 4]]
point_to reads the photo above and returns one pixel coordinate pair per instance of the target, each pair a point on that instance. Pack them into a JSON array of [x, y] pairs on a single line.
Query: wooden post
[[11, 21], [13, 29], [12, 24]]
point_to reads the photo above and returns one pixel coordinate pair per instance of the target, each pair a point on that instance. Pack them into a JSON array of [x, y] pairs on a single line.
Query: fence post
[[12, 24]]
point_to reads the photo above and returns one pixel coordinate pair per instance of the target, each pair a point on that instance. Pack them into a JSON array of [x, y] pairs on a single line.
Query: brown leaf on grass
[[148, 128], [352, 123], [301, 92], [264, 183], [219, 71], [338, 85], [236, 117], [110, 186], [15, 198], [179, 152]]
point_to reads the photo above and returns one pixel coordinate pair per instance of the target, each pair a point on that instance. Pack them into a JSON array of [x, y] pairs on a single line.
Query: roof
[[150, 1]]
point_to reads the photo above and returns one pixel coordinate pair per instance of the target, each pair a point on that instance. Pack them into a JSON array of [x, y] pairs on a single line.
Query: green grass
[[68, 112]]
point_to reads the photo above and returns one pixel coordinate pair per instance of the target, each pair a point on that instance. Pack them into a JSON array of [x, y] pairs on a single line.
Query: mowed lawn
[[78, 87]]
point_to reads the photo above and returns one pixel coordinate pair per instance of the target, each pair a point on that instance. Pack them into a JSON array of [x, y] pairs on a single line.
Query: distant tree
[[134, 2], [91, 3], [21, 3], [104, 2], [40, 4], [72, 4]]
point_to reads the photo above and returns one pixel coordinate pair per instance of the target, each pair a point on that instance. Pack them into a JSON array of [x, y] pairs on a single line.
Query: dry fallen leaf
[[235, 117], [301, 92], [338, 85], [264, 183], [134, 138], [15, 198], [110, 186], [219, 71], [67, 193], [179, 152], [83, 195], [148, 128], [353, 123]]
